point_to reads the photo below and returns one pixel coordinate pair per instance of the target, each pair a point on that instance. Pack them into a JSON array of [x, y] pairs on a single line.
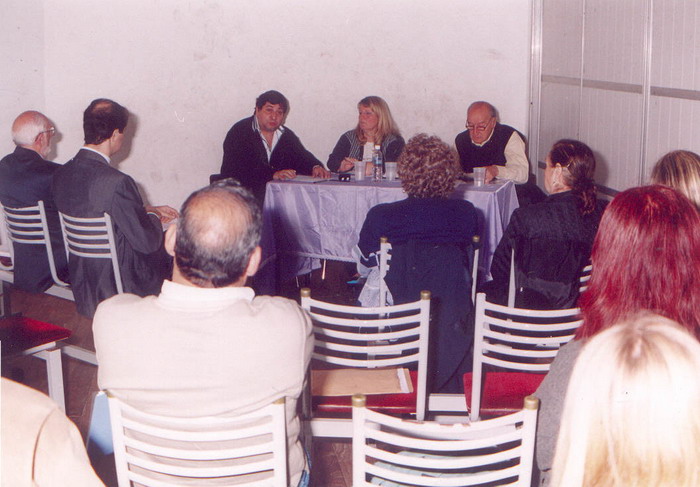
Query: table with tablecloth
[[306, 219]]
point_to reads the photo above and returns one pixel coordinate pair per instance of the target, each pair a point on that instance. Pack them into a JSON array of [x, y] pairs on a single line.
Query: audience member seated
[[680, 170], [261, 148], [40, 446], [431, 249], [552, 240], [646, 256], [375, 126], [206, 346], [25, 179], [631, 410], [87, 186]]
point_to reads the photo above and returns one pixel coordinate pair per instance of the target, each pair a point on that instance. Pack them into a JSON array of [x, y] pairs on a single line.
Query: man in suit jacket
[[87, 186], [260, 148], [25, 179]]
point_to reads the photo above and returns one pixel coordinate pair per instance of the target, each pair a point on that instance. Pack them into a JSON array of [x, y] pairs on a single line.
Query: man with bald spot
[[207, 346], [25, 179]]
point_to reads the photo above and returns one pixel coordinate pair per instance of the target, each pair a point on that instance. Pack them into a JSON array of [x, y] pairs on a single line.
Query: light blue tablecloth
[[305, 221]]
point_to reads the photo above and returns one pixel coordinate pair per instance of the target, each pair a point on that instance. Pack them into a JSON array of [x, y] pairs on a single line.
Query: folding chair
[[384, 261], [585, 277], [394, 452], [28, 226], [355, 338], [159, 451], [92, 238], [25, 336], [514, 339]]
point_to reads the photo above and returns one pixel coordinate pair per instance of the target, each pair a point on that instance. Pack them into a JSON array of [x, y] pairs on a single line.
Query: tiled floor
[[331, 460]]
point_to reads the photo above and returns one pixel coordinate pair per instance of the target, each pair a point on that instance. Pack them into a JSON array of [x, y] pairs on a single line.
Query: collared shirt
[[517, 168], [275, 137], [106, 157], [183, 296]]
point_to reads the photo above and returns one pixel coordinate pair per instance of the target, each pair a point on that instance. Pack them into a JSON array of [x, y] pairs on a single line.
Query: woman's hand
[[347, 164]]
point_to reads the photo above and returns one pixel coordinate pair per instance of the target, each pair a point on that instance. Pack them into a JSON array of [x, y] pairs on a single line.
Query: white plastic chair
[[392, 452], [515, 339], [28, 225], [367, 338], [92, 238], [158, 451], [585, 277], [384, 258]]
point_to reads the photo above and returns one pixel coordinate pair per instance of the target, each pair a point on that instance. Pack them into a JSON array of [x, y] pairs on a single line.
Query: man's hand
[[491, 173], [347, 164], [285, 174], [320, 172], [165, 213]]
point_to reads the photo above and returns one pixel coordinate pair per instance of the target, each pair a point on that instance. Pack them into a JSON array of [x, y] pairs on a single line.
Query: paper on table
[[346, 382], [303, 178]]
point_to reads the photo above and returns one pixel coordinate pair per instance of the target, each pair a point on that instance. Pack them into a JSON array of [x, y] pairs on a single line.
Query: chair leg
[[6, 303], [54, 371]]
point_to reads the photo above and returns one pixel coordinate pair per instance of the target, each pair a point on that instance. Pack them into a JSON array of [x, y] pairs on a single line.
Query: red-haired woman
[[646, 256]]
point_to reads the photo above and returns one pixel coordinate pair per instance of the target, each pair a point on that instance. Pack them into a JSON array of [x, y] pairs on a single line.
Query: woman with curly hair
[[646, 256], [431, 249], [375, 126], [551, 241]]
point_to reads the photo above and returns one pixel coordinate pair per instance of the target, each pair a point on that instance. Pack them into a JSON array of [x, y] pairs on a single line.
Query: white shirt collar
[[484, 142], [173, 293], [275, 138]]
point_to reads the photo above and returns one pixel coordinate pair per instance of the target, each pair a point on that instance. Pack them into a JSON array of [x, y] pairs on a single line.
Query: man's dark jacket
[[87, 186], [245, 157], [25, 179]]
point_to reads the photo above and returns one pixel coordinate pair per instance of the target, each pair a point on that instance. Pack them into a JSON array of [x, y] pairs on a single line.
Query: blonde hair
[[386, 125], [679, 169], [631, 410]]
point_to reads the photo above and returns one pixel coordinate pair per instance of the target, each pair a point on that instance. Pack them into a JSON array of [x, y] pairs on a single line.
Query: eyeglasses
[[52, 131], [479, 127]]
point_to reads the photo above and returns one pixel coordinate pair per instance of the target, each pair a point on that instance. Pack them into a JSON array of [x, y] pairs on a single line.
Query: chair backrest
[[389, 336], [495, 452], [28, 225], [153, 450], [384, 258], [517, 339], [92, 238], [585, 277]]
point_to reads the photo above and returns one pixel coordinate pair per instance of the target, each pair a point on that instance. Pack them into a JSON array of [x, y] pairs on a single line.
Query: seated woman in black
[[552, 240], [431, 249], [375, 126]]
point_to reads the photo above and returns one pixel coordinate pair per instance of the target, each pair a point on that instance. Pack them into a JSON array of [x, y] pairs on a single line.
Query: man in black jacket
[[260, 148], [25, 179], [87, 186]]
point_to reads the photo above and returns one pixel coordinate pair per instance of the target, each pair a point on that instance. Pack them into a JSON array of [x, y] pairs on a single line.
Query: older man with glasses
[[487, 143], [25, 179]]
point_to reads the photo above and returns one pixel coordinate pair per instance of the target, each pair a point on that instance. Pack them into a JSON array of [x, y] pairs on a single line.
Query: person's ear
[[254, 262], [170, 237]]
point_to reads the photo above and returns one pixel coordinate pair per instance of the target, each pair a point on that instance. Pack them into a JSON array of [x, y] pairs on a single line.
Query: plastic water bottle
[[378, 161]]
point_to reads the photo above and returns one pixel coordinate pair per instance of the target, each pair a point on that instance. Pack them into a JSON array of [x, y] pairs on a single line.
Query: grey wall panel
[[563, 37], [559, 115]]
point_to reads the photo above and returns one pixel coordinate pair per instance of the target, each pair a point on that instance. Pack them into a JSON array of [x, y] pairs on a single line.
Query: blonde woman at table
[[679, 169], [631, 410], [375, 126], [431, 239], [551, 240]]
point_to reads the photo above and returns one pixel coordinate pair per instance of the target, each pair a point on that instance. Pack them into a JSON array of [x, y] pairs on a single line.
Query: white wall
[[188, 69]]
